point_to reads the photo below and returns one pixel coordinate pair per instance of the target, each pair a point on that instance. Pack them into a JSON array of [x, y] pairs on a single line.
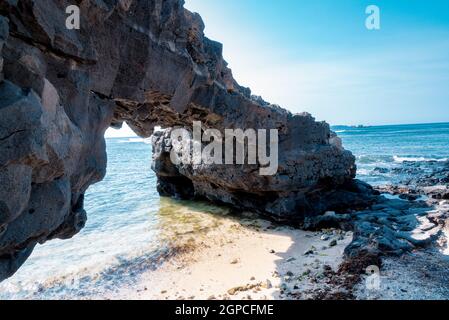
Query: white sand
[[251, 255]]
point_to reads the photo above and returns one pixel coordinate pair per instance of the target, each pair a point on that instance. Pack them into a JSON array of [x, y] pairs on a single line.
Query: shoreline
[[246, 259], [216, 253], [250, 258]]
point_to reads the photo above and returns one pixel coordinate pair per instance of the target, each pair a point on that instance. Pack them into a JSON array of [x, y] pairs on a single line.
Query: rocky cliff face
[[145, 63]]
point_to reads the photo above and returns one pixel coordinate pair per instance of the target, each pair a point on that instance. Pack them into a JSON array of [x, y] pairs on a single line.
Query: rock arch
[[145, 63]]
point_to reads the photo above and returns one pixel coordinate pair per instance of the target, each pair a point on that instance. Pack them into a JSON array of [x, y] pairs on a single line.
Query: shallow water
[[130, 229]]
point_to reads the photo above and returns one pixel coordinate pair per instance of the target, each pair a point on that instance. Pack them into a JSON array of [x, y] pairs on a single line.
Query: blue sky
[[318, 56]]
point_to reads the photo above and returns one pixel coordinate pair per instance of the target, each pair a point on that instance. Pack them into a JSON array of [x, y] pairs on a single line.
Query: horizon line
[[337, 125], [387, 125]]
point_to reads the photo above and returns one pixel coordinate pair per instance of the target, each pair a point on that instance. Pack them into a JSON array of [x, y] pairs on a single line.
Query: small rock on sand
[[267, 284], [308, 252], [233, 291]]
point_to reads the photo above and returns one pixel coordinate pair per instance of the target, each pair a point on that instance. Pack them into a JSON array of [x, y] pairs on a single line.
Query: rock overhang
[[146, 63]]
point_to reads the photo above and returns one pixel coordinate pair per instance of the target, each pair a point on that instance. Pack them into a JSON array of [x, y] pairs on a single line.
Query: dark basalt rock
[[417, 178], [145, 63], [424, 173], [415, 220]]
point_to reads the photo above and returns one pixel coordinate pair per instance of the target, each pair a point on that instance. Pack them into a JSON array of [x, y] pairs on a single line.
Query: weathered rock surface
[[145, 63], [414, 216]]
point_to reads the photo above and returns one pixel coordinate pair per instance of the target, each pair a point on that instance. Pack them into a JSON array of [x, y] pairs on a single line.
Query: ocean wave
[[363, 171], [121, 271], [374, 160], [418, 159], [136, 140], [340, 131]]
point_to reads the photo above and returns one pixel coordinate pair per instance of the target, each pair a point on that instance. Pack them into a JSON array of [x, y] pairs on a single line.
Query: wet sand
[[244, 259]]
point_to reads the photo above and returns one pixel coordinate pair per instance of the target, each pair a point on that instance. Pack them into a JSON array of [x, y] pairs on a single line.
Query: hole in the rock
[[130, 227]]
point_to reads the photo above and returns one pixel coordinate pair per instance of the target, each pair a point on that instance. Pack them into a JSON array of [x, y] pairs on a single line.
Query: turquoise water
[[122, 225], [387, 147], [130, 228]]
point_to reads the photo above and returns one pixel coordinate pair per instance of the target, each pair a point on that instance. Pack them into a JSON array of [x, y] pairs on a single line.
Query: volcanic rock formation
[[146, 63]]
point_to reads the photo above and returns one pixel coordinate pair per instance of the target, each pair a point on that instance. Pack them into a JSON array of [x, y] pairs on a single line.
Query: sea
[[131, 230]]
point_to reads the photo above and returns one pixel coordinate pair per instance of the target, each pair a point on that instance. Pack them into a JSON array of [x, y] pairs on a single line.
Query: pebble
[[235, 261], [308, 252], [324, 237], [267, 284], [307, 272], [327, 267], [333, 243], [291, 259]]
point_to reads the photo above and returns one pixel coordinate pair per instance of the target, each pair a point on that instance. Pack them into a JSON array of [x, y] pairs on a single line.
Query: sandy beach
[[245, 259], [249, 258]]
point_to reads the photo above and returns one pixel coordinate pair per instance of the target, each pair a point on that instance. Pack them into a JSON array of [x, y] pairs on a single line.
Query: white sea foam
[[136, 140], [415, 159], [363, 171], [392, 197]]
